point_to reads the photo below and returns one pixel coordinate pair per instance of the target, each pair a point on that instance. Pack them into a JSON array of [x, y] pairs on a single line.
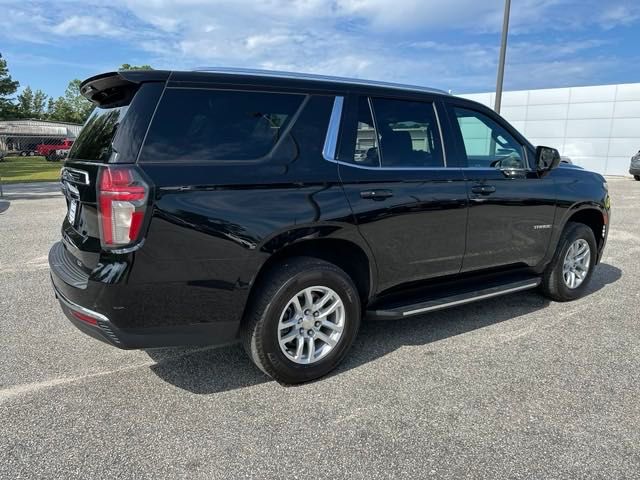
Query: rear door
[[409, 203], [113, 133], [511, 207]]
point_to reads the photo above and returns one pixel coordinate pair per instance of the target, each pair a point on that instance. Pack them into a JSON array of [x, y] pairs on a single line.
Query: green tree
[[51, 105], [31, 104], [8, 88], [25, 102], [39, 105], [71, 107], [126, 66]]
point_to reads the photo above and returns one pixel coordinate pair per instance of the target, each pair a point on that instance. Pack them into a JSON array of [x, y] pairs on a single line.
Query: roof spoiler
[[117, 88]]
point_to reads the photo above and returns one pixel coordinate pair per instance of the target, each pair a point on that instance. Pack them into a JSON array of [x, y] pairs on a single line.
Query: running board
[[404, 311]]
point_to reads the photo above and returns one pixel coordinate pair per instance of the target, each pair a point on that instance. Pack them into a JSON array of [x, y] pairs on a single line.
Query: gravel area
[[514, 387]]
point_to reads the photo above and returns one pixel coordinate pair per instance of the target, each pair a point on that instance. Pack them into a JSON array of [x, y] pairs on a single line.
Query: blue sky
[[449, 44]]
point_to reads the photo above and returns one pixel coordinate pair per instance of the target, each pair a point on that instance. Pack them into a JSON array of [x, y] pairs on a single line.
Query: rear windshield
[[94, 141], [119, 129], [218, 125]]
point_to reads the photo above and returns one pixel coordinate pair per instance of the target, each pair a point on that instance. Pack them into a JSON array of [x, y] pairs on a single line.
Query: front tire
[[637, 177], [569, 273], [302, 320]]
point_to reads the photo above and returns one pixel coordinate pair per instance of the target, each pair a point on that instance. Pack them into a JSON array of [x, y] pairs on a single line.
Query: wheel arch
[[593, 216], [354, 259]]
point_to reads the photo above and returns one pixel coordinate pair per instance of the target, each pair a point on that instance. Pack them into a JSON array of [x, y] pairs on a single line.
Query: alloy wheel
[[311, 325], [576, 263]]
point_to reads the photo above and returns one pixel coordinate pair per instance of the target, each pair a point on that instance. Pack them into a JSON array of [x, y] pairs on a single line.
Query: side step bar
[[431, 305]]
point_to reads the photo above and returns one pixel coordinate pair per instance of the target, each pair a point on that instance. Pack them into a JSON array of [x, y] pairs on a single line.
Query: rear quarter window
[[218, 125]]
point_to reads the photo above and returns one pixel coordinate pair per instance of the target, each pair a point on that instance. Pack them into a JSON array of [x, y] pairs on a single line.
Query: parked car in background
[[567, 160], [51, 150], [634, 168], [280, 209]]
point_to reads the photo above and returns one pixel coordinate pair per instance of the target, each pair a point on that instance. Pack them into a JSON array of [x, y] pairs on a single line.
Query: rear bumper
[[83, 302], [105, 331], [102, 329], [634, 171]]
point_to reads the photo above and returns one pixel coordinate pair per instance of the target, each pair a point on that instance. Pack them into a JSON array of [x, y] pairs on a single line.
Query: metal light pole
[[503, 54]]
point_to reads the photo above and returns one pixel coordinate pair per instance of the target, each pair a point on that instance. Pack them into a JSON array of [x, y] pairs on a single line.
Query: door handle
[[376, 194], [483, 189]]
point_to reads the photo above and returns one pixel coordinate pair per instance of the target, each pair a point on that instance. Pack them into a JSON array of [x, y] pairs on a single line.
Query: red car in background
[[54, 151]]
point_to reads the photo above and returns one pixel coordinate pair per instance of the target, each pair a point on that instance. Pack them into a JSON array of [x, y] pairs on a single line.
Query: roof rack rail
[[316, 77]]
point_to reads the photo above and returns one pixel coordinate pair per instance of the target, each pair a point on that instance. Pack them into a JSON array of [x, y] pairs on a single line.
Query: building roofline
[[39, 120]]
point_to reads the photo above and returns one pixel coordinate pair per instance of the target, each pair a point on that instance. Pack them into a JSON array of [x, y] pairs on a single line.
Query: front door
[[511, 207], [409, 206]]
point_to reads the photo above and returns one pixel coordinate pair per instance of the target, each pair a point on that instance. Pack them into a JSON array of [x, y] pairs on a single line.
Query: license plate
[[73, 208]]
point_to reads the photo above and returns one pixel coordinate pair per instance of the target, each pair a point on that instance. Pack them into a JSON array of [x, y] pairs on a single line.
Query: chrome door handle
[[483, 189], [376, 194]]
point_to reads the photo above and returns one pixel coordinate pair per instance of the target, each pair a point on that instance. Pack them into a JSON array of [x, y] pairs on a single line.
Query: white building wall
[[598, 127]]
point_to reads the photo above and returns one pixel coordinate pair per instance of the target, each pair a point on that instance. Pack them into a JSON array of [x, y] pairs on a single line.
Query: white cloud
[[619, 15], [77, 25], [450, 44]]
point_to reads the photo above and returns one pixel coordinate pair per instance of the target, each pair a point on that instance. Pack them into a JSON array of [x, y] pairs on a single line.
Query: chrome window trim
[[493, 169], [320, 78], [333, 130], [363, 167], [372, 112], [444, 153]]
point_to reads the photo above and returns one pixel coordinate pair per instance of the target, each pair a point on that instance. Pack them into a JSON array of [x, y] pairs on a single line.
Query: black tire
[[272, 294], [636, 177], [23, 154], [553, 284]]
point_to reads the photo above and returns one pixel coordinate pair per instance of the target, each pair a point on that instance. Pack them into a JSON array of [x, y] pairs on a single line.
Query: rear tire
[[558, 283], [636, 177], [274, 306]]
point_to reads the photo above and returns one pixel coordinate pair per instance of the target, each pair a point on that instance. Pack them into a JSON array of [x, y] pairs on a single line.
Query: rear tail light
[[122, 202]]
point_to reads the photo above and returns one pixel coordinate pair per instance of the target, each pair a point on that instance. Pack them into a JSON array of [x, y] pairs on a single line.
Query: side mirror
[[547, 159]]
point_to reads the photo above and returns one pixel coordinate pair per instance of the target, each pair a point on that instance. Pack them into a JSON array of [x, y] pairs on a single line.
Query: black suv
[[280, 209]]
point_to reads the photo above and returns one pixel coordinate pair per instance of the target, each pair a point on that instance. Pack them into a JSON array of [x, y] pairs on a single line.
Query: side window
[[217, 125], [486, 143], [408, 133], [366, 151]]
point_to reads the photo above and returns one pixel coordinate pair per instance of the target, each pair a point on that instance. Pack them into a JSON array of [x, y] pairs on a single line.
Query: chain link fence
[[51, 140]]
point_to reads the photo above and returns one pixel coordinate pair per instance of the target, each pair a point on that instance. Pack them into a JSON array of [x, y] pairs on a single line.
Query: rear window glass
[[217, 125], [408, 132], [94, 141]]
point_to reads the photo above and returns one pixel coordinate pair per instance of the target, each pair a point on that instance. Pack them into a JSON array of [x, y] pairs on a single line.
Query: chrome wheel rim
[[576, 263], [311, 325]]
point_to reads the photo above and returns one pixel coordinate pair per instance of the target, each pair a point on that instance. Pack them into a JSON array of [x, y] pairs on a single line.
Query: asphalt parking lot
[[514, 387]]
